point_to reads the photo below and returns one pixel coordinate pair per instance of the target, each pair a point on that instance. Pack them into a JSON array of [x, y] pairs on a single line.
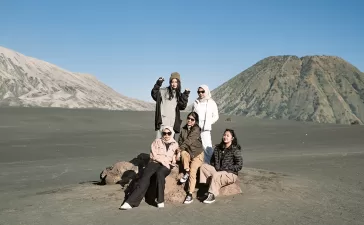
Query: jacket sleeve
[[193, 107], [215, 112], [155, 90], [154, 154], [174, 159], [215, 159], [212, 160], [238, 161], [193, 136], [180, 138], [183, 100]]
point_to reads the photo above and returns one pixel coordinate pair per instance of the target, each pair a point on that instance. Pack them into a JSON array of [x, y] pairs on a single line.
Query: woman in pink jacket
[[162, 158]]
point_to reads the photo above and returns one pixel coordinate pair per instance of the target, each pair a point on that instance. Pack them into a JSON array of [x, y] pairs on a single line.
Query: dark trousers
[[160, 173]]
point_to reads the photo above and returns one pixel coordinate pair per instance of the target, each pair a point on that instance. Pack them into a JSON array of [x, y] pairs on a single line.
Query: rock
[[232, 189], [356, 122], [173, 192], [123, 172], [176, 193], [120, 172], [126, 174]]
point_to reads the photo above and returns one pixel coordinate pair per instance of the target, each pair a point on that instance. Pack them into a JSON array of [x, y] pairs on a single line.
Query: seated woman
[[192, 153], [226, 162], [162, 158]]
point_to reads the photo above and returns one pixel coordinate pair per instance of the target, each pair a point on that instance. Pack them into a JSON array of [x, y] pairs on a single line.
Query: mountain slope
[[26, 81], [324, 89]]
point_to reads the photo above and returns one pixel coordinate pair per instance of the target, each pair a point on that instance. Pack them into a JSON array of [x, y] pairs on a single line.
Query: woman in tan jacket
[[162, 158], [192, 153]]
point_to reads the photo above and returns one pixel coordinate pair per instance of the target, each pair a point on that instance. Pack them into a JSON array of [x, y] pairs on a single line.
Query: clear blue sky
[[129, 44]]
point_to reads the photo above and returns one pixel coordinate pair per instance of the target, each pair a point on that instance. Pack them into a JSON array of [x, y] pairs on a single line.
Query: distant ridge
[[26, 81], [324, 89]]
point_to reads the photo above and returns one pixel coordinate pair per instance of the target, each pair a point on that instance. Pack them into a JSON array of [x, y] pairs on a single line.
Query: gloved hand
[[160, 81], [187, 91]]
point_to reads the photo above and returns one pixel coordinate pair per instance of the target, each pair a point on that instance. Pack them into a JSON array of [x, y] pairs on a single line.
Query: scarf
[[207, 93]]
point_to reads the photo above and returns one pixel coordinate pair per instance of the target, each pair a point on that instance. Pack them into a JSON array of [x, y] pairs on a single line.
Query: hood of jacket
[[207, 92], [172, 135]]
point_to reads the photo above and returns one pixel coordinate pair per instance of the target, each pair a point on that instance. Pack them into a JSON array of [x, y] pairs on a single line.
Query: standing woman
[[208, 114], [169, 102]]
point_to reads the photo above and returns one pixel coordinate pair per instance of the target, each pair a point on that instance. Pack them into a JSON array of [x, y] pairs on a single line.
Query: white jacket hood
[[207, 92]]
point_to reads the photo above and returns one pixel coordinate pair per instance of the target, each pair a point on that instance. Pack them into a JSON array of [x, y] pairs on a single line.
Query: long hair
[[194, 115], [234, 143], [178, 90]]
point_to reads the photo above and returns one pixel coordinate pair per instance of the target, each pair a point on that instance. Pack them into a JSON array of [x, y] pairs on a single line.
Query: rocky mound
[[254, 183], [127, 173]]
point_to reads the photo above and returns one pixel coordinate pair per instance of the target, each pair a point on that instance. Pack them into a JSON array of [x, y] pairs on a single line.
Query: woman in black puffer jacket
[[226, 162]]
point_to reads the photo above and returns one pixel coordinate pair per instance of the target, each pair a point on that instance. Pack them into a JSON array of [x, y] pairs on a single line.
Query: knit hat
[[175, 75]]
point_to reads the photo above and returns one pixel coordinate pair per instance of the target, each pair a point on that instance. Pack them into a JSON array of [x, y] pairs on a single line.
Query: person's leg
[[162, 173], [195, 164], [206, 171], [207, 145], [219, 180], [142, 185], [186, 158]]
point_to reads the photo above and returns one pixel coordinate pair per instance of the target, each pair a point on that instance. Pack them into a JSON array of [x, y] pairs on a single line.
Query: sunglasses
[[198, 92], [192, 119], [167, 133]]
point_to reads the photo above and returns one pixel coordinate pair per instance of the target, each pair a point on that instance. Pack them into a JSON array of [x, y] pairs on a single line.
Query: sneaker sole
[[189, 202], [208, 202]]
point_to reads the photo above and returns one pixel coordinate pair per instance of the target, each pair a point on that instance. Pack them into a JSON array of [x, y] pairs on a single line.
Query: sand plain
[[295, 173]]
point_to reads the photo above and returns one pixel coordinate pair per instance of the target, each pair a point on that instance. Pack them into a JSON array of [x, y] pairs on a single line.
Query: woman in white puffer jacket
[[207, 111]]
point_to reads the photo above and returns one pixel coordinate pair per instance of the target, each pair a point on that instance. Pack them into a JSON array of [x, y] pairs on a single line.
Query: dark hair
[[234, 143], [194, 115], [178, 89]]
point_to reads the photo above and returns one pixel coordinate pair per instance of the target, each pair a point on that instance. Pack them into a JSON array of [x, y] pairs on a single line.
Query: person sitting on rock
[[192, 153], [226, 162], [162, 159]]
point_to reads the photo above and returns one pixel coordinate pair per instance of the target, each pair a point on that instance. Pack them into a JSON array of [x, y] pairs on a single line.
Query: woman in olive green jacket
[[192, 153]]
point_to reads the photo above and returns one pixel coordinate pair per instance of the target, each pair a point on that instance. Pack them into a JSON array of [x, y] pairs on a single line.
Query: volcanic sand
[[294, 172]]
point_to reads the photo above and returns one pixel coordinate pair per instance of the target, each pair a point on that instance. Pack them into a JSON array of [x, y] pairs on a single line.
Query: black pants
[[141, 188]]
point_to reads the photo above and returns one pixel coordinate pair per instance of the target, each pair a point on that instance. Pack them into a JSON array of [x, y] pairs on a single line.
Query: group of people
[[218, 166]]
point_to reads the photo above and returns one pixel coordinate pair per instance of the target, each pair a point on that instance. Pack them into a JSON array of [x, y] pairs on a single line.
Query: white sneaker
[[125, 206], [184, 178], [160, 205], [188, 199]]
